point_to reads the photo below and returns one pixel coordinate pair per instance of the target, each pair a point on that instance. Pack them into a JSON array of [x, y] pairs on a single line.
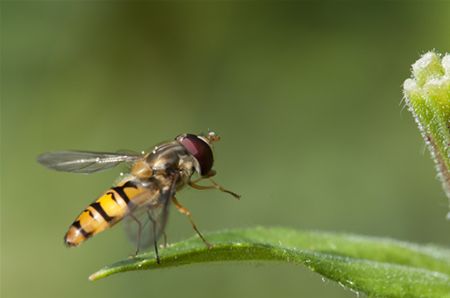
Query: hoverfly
[[142, 196]]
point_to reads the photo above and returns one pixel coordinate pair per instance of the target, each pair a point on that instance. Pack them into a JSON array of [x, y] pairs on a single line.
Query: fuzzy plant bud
[[427, 94]]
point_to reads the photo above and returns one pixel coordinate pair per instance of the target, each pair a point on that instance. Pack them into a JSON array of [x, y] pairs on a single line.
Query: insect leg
[[214, 186], [210, 174], [186, 212], [165, 239], [155, 244], [139, 232]]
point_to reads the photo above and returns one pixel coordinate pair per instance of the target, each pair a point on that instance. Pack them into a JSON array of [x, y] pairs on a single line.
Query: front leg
[[215, 185], [210, 174]]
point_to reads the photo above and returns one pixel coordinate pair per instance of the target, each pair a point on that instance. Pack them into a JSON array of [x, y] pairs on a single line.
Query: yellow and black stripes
[[98, 207], [107, 210], [77, 225]]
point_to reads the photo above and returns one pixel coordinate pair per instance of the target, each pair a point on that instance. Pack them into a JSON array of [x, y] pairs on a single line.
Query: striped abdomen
[[107, 210]]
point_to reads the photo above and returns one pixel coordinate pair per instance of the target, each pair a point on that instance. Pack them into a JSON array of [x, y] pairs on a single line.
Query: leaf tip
[[95, 276]]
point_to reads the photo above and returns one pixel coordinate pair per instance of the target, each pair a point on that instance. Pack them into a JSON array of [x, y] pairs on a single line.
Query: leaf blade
[[375, 266]]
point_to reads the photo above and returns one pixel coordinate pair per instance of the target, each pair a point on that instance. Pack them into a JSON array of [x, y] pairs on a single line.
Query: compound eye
[[200, 150]]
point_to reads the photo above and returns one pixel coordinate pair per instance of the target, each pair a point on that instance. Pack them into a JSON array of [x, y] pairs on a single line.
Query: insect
[[142, 197]]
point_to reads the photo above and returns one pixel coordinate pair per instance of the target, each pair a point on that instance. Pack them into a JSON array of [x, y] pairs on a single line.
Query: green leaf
[[376, 266], [427, 95]]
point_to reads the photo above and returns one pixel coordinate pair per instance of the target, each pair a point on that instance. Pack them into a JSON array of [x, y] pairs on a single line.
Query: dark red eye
[[200, 150]]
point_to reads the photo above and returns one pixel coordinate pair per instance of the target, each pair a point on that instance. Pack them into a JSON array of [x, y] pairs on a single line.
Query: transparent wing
[[152, 221], [146, 223], [84, 161]]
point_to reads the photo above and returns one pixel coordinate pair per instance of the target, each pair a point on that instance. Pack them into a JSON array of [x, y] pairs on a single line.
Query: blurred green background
[[307, 99]]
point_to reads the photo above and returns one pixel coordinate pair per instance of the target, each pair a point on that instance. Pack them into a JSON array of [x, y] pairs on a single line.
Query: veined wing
[[145, 224], [84, 161]]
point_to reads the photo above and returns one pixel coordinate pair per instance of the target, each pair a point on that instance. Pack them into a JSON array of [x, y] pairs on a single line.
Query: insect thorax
[[166, 158]]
